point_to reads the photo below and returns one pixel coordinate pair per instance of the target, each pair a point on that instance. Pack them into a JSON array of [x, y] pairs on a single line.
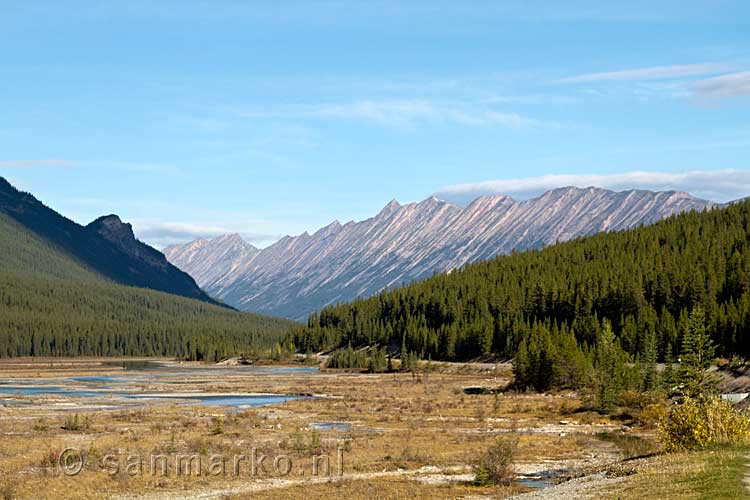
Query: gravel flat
[[576, 489]]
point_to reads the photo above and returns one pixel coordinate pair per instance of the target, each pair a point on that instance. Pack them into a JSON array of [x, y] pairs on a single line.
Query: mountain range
[[106, 246], [300, 274], [95, 290]]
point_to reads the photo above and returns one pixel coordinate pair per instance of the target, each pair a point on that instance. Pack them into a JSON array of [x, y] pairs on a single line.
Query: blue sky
[[193, 118]]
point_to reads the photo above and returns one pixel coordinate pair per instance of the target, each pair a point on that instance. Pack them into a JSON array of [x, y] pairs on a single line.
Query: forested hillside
[[644, 281], [106, 246], [51, 305]]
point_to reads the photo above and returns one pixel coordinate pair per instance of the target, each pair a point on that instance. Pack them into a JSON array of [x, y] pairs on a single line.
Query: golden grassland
[[411, 436]]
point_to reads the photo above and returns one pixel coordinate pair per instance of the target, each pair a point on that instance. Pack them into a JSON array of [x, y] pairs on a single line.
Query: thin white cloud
[[406, 114], [129, 166], [36, 163], [731, 85], [133, 166], [412, 112], [715, 185], [651, 73], [161, 234]]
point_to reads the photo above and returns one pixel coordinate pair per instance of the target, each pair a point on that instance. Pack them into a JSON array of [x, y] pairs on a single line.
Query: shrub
[[495, 466], [50, 459], [76, 423], [315, 446], [217, 427], [8, 490], [653, 414], [40, 425], [701, 423]]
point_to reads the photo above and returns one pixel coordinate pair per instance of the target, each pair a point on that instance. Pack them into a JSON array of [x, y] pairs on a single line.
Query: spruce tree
[[609, 366], [648, 362], [696, 354]]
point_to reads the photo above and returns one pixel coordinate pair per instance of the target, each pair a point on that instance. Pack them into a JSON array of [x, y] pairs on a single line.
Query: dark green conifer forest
[[51, 305], [558, 310]]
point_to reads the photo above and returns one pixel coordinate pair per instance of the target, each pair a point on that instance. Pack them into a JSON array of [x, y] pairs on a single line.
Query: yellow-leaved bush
[[704, 422]]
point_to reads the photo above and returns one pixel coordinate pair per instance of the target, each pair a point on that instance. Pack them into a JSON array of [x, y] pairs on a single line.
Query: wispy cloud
[[161, 234], [36, 163], [731, 85], [716, 185], [130, 166], [133, 166], [406, 114], [651, 73]]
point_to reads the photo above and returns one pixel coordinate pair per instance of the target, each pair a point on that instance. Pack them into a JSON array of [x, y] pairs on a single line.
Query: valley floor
[[391, 435]]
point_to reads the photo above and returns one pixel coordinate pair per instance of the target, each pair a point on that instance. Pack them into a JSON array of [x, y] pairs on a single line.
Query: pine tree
[[648, 362], [609, 367], [696, 355], [521, 367]]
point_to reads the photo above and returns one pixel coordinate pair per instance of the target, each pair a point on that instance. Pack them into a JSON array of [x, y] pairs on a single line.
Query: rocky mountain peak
[[489, 201], [112, 228], [119, 233], [299, 274], [392, 207], [106, 246], [432, 201], [330, 230], [568, 191], [232, 240]]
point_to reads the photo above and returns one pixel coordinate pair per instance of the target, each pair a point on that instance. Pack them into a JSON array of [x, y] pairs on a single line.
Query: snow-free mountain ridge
[[106, 246], [300, 274]]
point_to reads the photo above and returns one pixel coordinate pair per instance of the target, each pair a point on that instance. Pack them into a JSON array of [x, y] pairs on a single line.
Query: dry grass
[[384, 490], [398, 422], [687, 476]]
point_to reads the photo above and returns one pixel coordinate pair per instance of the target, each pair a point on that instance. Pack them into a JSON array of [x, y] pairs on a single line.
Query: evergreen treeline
[[106, 246], [50, 305], [644, 282], [375, 361]]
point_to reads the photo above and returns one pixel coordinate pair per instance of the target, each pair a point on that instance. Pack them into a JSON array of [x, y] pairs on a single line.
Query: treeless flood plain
[[423, 428]]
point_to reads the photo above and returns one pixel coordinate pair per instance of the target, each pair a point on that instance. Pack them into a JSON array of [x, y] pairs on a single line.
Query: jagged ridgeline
[[645, 281], [52, 305]]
